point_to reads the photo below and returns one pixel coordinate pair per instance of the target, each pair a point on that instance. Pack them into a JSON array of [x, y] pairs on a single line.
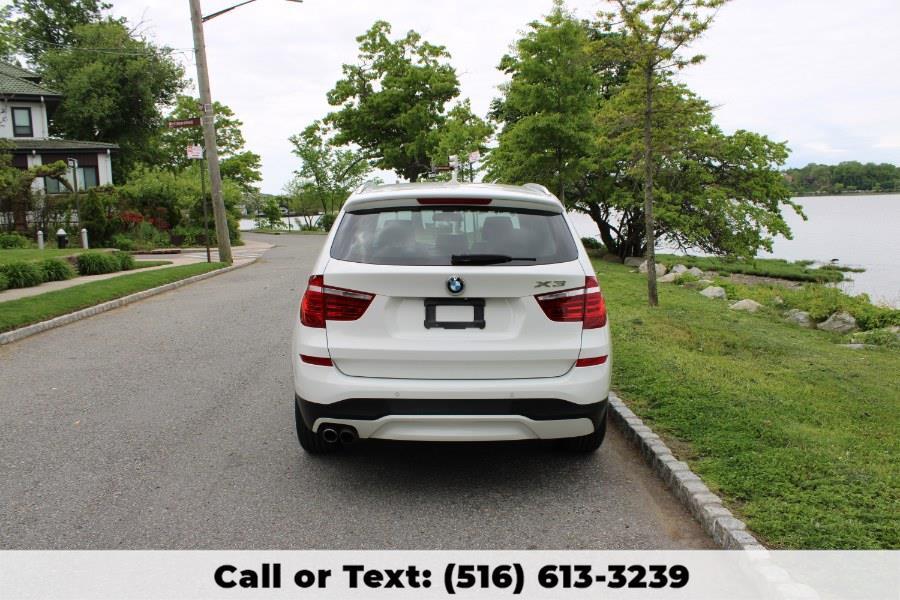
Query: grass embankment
[[762, 267], [18, 313], [796, 432]]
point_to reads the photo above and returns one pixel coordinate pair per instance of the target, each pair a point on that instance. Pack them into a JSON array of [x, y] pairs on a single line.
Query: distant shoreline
[[827, 194]]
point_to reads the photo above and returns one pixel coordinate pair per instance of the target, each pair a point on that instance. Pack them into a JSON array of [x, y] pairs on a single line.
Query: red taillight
[[323, 303], [594, 305], [583, 304], [590, 362]]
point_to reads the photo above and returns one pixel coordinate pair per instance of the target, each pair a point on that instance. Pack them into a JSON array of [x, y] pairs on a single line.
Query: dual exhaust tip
[[332, 434]]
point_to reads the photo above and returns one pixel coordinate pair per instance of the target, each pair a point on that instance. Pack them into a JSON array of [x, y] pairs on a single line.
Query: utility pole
[[209, 135]]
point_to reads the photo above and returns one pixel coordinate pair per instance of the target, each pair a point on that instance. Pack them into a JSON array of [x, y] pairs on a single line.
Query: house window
[[22, 125], [87, 178]]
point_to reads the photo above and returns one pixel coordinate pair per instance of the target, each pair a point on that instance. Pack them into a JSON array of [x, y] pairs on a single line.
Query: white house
[[25, 109]]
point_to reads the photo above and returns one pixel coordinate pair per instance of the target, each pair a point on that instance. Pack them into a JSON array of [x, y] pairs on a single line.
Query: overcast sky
[[820, 74]]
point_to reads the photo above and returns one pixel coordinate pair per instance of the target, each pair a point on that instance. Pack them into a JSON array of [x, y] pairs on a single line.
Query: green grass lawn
[[144, 264], [763, 267], [799, 435], [30, 254], [18, 313]]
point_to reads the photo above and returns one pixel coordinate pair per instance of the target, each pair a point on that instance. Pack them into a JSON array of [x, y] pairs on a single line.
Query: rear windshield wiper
[[485, 259]]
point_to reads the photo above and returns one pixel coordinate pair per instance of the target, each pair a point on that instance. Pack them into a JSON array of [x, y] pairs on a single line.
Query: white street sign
[[195, 152]]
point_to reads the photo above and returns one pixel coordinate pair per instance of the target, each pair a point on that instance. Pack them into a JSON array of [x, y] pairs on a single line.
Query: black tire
[[585, 443], [309, 441]]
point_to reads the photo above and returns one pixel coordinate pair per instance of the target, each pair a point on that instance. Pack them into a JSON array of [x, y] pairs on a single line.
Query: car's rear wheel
[[309, 441], [585, 443]]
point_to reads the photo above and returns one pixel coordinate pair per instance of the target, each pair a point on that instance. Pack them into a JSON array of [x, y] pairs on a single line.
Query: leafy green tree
[[327, 173], [461, 133], [44, 25], [722, 194], [393, 100], [656, 31], [16, 196], [112, 96], [9, 42], [237, 164], [271, 214], [547, 108], [302, 201]]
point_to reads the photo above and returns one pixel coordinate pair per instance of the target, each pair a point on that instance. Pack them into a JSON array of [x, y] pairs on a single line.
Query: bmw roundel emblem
[[455, 285]]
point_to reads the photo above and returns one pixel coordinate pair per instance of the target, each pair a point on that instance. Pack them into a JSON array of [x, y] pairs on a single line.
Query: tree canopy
[[327, 173], [717, 192], [43, 25], [112, 96], [548, 107], [236, 163], [392, 102]]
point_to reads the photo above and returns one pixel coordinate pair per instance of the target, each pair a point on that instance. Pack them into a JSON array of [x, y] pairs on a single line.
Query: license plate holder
[[477, 321]]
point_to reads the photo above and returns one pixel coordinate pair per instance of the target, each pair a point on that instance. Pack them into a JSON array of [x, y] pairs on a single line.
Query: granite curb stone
[[726, 530]]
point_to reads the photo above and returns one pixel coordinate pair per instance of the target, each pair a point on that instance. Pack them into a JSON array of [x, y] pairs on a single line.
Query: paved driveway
[[169, 424]]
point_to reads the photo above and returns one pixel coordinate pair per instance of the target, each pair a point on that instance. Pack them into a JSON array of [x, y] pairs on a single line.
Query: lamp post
[[208, 123], [73, 164]]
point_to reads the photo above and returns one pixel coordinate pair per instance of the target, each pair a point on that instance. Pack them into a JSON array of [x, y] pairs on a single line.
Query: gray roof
[[20, 145], [17, 71], [17, 86]]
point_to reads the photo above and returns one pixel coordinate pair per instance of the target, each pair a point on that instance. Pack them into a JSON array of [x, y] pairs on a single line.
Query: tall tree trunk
[[652, 296]]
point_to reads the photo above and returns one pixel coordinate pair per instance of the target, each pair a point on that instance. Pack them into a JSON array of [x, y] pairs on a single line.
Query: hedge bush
[[97, 263], [56, 269], [4, 282], [126, 261], [14, 240], [123, 242], [23, 274]]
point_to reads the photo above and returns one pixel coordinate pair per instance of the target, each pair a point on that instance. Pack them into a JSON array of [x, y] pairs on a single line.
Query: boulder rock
[[677, 269], [660, 269], [695, 272], [667, 278], [799, 317], [839, 322], [714, 291], [634, 261], [747, 305]]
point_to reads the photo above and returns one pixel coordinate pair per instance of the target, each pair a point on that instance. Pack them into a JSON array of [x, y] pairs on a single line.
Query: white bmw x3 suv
[[451, 312]]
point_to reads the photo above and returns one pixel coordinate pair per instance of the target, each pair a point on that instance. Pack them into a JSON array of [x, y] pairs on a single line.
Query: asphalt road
[[169, 424]]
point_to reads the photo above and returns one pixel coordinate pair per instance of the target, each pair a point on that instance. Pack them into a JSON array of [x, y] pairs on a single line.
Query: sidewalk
[[241, 255]]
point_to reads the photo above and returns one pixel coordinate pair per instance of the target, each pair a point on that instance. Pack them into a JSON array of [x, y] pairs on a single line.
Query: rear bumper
[[441, 419], [328, 385]]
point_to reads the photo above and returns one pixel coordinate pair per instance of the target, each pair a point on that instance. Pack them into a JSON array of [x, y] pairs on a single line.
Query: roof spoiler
[[538, 188], [371, 183]]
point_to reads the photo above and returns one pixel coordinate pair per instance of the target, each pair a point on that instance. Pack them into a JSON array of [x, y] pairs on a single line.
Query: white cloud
[[820, 74]]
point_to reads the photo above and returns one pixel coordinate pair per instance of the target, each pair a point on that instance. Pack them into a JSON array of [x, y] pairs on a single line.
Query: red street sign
[[195, 122]]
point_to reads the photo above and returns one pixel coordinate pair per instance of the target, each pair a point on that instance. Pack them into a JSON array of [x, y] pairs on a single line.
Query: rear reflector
[[322, 361], [583, 304], [455, 201], [323, 303], [590, 362]]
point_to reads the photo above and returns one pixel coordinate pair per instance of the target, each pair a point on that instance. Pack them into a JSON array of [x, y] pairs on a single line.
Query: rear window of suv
[[444, 236]]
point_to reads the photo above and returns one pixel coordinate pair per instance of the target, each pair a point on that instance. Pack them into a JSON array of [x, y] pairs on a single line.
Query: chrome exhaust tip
[[348, 435], [330, 435]]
